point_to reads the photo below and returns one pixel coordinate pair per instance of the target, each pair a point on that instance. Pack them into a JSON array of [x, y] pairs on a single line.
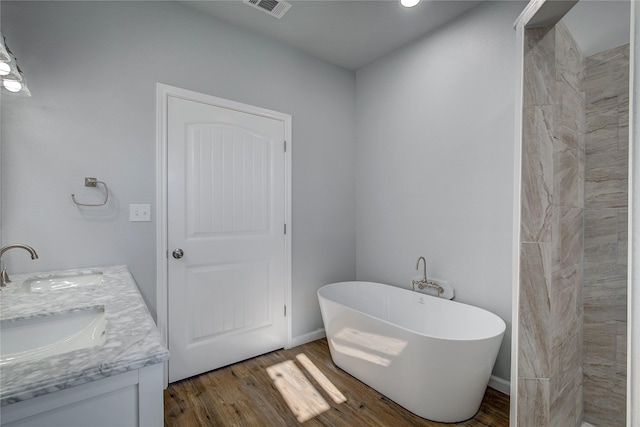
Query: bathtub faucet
[[4, 276], [424, 283]]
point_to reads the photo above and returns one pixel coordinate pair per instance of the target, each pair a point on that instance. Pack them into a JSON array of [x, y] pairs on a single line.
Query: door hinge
[[285, 229], [285, 146], [285, 311]]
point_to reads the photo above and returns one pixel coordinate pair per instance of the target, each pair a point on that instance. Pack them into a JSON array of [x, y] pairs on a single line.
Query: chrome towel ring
[[92, 182]]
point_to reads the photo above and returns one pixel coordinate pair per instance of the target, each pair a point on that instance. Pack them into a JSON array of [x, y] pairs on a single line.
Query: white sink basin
[[52, 283], [44, 336]]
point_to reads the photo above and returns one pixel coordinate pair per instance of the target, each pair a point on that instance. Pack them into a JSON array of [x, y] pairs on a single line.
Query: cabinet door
[[133, 398]]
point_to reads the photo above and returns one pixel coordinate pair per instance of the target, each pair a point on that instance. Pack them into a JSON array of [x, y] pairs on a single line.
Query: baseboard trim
[[311, 336], [499, 384]]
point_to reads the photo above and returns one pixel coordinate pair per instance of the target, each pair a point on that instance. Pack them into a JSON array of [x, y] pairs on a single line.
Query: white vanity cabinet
[[116, 382], [133, 398]]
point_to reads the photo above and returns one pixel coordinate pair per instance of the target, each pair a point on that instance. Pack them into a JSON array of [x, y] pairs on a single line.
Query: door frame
[[163, 92]]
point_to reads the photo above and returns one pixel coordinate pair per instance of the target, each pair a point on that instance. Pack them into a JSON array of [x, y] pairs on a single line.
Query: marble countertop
[[132, 338]]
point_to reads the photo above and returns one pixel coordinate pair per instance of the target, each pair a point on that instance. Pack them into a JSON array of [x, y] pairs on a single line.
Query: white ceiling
[[354, 33], [347, 33]]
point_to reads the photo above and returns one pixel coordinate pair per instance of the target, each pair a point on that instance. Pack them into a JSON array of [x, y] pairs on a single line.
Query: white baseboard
[[499, 384], [311, 336]]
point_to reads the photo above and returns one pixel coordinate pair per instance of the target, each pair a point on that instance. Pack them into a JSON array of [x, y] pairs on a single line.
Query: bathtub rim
[[502, 323]]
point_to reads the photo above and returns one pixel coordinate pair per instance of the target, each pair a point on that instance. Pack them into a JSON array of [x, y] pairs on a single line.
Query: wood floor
[[255, 393]]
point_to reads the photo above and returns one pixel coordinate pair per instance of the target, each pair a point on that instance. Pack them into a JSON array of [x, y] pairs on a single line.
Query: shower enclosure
[[573, 223]]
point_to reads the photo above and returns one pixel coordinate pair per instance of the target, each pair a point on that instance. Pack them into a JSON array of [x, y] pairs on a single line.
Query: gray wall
[[435, 132], [92, 69]]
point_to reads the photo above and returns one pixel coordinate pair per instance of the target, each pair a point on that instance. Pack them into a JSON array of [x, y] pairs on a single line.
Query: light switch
[[139, 212]]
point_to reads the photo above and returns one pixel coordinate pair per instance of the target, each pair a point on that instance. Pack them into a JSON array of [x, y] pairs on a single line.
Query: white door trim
[[162, 280]]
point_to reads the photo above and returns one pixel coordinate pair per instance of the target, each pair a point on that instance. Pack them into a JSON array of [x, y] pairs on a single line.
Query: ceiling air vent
[[275, 8]]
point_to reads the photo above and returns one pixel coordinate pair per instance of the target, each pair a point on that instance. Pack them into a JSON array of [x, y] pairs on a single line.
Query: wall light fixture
[[11, 77]]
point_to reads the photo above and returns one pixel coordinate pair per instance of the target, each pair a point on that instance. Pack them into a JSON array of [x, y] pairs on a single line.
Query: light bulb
[[4, 68], [409, 3], [12, 85]]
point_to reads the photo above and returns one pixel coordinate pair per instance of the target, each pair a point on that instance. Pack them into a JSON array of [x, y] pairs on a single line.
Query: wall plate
[[139, 212]]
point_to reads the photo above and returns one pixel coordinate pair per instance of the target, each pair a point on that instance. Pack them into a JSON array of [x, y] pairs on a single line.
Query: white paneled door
[[226, 235]]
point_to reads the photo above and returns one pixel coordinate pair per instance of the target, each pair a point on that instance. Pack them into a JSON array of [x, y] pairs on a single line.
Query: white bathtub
[[430, 355]]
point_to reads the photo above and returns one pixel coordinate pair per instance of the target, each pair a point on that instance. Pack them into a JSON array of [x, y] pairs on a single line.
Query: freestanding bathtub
[[430, 355]]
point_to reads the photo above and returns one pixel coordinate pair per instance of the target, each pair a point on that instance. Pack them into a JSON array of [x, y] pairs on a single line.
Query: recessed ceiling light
[[409, 3]]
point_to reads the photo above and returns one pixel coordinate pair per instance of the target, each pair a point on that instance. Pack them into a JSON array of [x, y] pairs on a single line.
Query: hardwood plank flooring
[[256, 392]]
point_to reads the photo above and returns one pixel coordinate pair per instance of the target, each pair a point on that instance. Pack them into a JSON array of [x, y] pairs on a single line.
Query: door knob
[[178, 253]]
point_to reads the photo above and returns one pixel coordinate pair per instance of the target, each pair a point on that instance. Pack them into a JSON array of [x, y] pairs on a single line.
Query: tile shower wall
[[552, 209], [605, 251]]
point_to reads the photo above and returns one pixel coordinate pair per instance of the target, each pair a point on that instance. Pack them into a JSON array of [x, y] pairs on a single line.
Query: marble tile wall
[[552, 215], [605, 245]]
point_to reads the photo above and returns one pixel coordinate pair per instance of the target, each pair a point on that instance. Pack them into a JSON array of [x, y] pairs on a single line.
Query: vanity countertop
[[132, 338]]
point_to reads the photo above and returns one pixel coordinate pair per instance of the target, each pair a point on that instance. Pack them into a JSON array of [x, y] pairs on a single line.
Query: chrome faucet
[[424, 283], [4, 276], [424, 269]]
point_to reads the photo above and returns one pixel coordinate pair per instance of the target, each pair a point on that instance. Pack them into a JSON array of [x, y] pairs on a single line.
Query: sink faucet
[[4, 277], [424, 283]]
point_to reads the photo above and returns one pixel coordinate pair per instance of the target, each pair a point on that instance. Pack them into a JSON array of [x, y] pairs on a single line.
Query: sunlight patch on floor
[[301, 396], [303, 399], [321, 379]]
